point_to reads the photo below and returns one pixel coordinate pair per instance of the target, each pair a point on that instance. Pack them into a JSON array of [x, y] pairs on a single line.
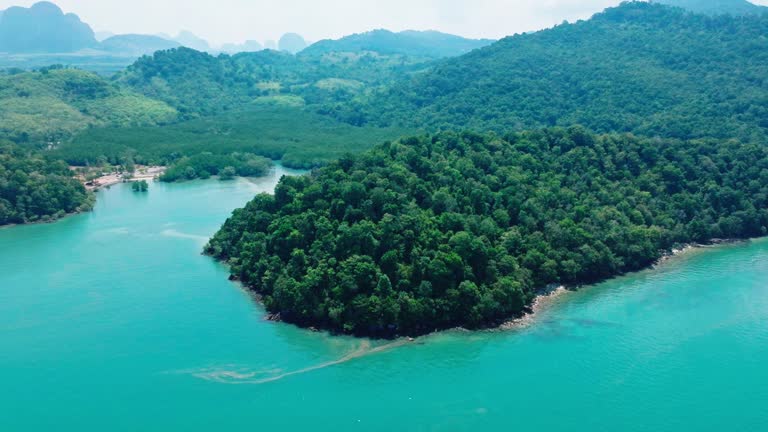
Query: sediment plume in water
[[236, 375]]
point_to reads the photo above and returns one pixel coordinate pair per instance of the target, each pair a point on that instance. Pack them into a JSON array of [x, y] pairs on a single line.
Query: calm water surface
[[113, 320]]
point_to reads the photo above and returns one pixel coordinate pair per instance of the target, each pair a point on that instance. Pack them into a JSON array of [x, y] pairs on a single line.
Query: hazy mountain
[[717, 7], [190, 40], [43, 28], [429, 44], [270, 45], [103, 35], [136, 45], [292, 43], [247, 46]]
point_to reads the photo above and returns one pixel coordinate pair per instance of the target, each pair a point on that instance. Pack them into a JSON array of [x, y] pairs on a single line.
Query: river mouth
[[115, 318]]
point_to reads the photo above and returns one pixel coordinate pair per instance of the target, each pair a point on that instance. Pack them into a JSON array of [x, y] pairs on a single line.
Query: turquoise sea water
[[113, 320]]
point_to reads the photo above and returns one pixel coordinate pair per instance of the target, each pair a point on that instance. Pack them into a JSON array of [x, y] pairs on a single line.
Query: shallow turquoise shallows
[[113, 321]]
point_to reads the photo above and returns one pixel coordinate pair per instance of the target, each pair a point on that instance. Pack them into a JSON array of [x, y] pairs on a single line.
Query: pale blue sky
[[236, 20]]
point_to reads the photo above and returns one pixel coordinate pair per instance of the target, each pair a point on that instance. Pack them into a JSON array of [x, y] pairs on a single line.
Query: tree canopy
[[56, 103], [645, 68], [451, 229], [33, 189]]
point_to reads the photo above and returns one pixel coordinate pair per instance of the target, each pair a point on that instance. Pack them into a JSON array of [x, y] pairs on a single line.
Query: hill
[[451, 230], [717, 7], [136, 45], [428, 44], [642, 68], [43, 28], [52, 104], [199, 84]]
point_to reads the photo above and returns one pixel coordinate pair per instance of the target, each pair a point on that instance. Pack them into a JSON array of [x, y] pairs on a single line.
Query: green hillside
[[199, 84], [53, 104], [642, 68]]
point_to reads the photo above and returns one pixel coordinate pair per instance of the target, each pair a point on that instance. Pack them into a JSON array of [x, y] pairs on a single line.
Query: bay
[[113, 320]]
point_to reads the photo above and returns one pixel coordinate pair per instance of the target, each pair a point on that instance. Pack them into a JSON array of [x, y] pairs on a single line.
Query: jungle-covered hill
[[645, 68], [449, 230]]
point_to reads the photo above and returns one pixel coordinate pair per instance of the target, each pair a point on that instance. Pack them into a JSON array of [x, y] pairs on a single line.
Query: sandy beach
[[141, 173]]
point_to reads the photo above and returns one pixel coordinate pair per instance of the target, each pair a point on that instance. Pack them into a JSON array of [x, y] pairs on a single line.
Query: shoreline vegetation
[[553, 293], [36, 189], [458, 230], [545, 298]]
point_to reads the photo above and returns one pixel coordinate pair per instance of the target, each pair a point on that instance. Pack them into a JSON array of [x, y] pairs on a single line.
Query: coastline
[[549, 295], [544, 298], [51, 221], [142, 173]]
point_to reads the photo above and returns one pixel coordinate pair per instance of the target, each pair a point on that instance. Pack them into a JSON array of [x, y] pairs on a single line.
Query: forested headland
[[447, 230], [34, 189]]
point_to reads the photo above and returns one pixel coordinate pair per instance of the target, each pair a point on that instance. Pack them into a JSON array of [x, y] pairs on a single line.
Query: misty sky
[[222, 21]]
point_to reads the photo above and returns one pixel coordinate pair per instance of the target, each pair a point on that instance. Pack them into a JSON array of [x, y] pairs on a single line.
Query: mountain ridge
[[431, 44], [136, 44]]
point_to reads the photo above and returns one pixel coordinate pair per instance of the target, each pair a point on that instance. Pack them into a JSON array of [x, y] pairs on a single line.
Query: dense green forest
[[640, 67], [301, 139], [454, 229], [34, 189], [199, 84], [55, 103], [205, 165]]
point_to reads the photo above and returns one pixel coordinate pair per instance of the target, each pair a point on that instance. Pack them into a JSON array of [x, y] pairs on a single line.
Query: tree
[[228, 173], [140, 186]]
